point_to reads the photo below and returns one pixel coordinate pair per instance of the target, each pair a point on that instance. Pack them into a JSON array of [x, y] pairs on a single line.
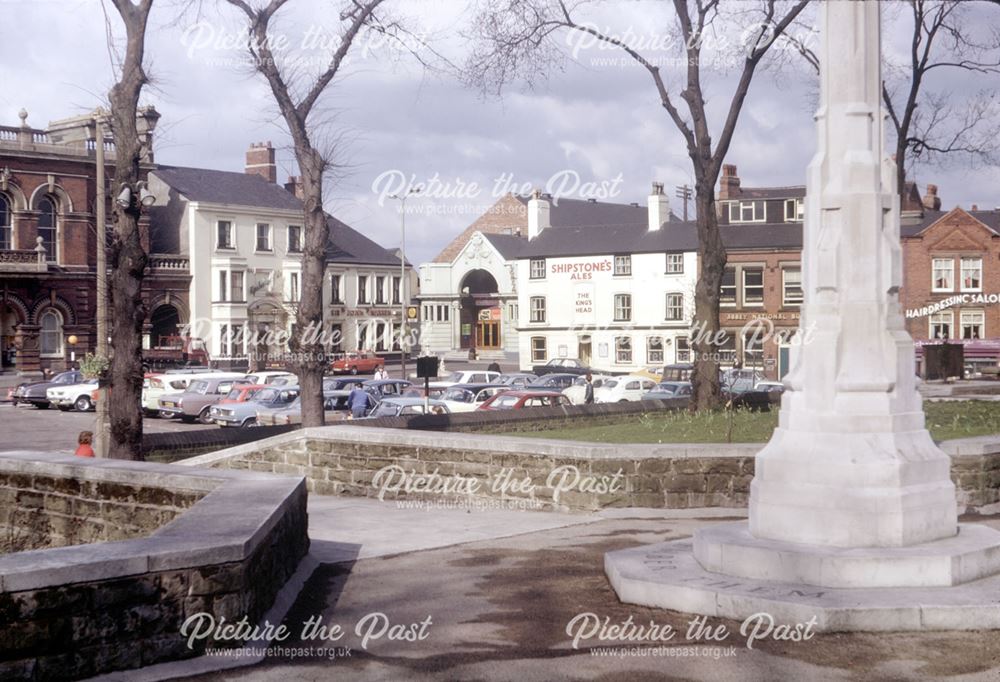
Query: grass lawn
[[945, 420]]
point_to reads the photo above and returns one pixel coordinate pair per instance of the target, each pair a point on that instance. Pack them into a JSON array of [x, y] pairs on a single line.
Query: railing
[[166, 262], [19, 256], [38, 140]]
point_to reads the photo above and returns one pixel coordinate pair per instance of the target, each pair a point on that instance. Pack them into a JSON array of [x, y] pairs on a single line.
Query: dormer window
[[746, 211], [794, 210]]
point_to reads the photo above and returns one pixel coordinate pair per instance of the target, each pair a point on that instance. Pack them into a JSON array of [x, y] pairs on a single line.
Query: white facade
[[578, 307], [489, 319]]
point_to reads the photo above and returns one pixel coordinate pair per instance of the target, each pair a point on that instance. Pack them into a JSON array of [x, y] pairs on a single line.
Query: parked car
[[561, 366], [36, 393], [772, 387], [417, 391], [623, 389], [467, 397], [386, 388], [517, 400], [551, 382], [73, 396], [669, 389], [516, 380], [577, 392], [197, 399], [268, 377], [241, 393], [466, 376], [155, 386], [678, 372], [398, 407], [291, 414], [244, 414], [363, 362], [336, 390]]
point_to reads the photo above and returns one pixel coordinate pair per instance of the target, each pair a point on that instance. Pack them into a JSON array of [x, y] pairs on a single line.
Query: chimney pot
[[539, 210], [931, 200], [975, 207]]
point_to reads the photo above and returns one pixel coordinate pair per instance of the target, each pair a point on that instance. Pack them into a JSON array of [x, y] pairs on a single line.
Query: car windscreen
[[454, 377], [459, 395], [234, 394], [504, 402], [385, 410]]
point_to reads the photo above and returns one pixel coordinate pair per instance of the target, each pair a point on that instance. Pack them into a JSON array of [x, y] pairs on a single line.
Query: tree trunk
[[306, 348], [712, 257], [901, 170], [128, 265]]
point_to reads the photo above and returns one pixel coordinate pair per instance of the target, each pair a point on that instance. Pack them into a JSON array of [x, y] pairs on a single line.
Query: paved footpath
[[500, 588]]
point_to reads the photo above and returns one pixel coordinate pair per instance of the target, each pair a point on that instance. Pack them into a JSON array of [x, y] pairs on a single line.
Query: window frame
[[679, 262], [934, 272], [362, 293], [223, 287], [962, 270], [532, 273], [678, 306], [625, 261], [623, 344], [535, 346], [336, 289], [981, 324], [744, 271], [294, 286], [939, 318], [651, 359], [622, 307], [736, 216], [785, 300], [537, 308], [58, 333], [257, 236], [294, 229], [54, 228], [230, 244], [682, 349], [6, 223], [237, 295], [798, 210], [732, 301], [380, 290]]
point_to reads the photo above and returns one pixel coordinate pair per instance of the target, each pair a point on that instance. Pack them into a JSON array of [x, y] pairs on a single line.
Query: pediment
[[957, 239]]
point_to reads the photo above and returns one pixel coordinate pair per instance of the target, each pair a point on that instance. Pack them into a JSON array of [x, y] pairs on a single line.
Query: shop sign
[[960, 299], [776, 317], [582, 270]]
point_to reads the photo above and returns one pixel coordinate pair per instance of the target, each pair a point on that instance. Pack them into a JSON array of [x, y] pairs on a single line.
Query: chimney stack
[[260, 161], [294, 185], [538, 214], [659, 207], [729, 183], [931, 200]]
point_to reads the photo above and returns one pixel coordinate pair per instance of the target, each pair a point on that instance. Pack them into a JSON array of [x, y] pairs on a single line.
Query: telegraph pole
[[684, 194]]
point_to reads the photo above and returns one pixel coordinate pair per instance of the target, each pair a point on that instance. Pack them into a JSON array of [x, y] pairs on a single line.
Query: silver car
[[245, 414]]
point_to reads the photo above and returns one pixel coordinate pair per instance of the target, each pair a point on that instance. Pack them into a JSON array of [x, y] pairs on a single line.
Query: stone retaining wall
[[83, 610], [39, 510], [347, 459]]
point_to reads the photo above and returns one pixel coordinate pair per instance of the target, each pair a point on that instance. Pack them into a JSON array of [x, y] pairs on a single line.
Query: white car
[[623, 389], [466, 376], [271, 377], [73, 396], [468, 397], [578, 391]]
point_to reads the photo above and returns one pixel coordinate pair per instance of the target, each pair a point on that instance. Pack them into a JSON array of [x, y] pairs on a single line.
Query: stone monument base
[[951, 584]]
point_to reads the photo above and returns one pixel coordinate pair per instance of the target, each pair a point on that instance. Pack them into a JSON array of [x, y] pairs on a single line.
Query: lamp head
[[124, 197]]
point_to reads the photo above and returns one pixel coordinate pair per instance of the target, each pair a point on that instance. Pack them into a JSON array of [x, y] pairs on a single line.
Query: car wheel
[[83, 404], [187, 419], [250, 423], [354, 370], [205, 416]]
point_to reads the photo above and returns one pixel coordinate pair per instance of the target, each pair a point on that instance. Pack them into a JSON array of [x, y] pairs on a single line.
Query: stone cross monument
[[851, 496]]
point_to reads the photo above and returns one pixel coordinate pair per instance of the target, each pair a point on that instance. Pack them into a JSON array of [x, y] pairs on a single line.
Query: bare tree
[[296, 105], [933, 124], [128, 257], [516, 38]]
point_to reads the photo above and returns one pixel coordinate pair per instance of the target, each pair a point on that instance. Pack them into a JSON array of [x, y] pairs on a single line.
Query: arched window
[[47, 226], [5, 224], [51, 335]]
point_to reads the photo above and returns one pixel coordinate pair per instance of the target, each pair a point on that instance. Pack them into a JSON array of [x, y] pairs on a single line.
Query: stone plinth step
[[667, 575], [971, 554]]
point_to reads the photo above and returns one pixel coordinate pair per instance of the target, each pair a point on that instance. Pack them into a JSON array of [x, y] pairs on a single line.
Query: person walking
[[358, 400], [83, 448], [380, 373], [588, 391]]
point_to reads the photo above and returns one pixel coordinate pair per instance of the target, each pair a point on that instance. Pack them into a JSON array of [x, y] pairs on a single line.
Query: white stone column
[[851, 464]]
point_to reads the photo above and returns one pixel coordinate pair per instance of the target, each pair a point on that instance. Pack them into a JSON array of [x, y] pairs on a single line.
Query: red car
[[364, 362], [516, 400], [242, 393]]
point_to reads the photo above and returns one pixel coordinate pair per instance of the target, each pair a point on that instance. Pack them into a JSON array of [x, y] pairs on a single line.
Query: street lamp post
[[402, 276]]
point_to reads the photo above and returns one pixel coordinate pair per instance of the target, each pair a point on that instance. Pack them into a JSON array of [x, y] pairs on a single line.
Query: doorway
[[488, 335], [584, 352]]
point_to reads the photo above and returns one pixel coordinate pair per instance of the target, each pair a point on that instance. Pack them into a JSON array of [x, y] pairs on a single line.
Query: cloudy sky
[[592, 128]]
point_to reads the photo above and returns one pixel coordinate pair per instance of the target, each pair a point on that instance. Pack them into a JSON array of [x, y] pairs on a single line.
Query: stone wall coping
[[486, 443], [976, 446], [226, 525]]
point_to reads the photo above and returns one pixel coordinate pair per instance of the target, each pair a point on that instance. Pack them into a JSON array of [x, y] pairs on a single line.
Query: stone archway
[[480, 313], [13, 313], [165, 320]]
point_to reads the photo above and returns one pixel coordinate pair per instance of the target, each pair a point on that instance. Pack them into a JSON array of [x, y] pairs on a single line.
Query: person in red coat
[[83, 448]]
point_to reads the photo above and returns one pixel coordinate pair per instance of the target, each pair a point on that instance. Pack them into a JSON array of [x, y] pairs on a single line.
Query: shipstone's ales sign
[[959, 299], [581, 270]]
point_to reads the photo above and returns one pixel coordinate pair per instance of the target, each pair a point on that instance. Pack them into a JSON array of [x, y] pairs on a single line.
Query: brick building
[[48, 244]]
